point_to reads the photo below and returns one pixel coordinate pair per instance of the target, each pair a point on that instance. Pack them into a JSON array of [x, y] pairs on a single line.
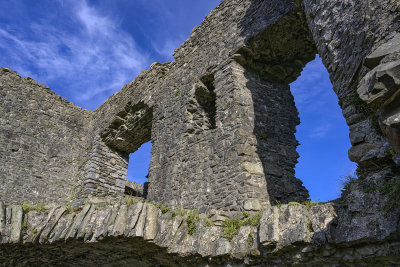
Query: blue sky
[[86, 50]]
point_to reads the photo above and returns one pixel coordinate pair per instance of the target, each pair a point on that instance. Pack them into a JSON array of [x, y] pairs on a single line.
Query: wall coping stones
[[309, 232]]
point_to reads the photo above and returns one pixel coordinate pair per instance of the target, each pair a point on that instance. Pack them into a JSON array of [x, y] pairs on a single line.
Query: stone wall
[[134, 189], [222, 121], [206, 120], [43, 139], [220, 116], [344, 38], [140, 234]]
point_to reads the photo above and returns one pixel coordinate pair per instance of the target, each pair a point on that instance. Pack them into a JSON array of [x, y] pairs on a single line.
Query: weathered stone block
[[380, 85], [16, 224], [222, 120], [392, 46]]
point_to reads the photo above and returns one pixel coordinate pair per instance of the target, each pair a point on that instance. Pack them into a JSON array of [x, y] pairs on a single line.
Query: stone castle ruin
[[221, 119]]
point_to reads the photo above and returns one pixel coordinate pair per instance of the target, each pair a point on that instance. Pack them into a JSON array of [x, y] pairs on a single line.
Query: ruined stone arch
[[224, 129], [234, 158]]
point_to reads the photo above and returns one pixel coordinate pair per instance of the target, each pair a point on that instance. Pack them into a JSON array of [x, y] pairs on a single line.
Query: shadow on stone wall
[[273, 59]]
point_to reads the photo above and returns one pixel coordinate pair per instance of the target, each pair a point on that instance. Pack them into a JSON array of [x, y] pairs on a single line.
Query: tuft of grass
[[34, 231], [101, 206], [231, 226], [209, 222], [293, 203], [180, 212], [361, 172], [347, 181], [250, 240], [391, 189], [164, 209], [25, 226], [254, 220], [262, 136], [192, 219], [130, 201], [29, 207], [309, 204], [68, 209], [40, 207]]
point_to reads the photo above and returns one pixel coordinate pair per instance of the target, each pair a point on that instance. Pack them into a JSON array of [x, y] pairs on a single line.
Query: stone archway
[[271, 61], [108, 161], [276, 57]]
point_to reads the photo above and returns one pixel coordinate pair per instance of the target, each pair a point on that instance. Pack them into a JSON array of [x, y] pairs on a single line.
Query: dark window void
[[205, 96], [138, 169], [323, 134], [129, 134]]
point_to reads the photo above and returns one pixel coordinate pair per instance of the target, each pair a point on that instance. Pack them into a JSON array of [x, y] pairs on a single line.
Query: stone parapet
[[136, 232]]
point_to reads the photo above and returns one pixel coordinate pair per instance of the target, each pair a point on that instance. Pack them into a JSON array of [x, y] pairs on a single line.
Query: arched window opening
[[128, 133], [138, 169], [323, 134]]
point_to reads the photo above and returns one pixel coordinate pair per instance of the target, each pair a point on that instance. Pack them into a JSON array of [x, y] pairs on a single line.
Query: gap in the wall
[[323, 134], [139, 162]]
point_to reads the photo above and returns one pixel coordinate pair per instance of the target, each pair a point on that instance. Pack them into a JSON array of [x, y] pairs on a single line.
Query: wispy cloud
[[94, 22], [320, 131], [166, 49], [311, 89], [93, 56]]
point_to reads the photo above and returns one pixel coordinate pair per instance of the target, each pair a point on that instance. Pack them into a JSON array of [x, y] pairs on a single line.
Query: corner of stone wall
[[105, 170]]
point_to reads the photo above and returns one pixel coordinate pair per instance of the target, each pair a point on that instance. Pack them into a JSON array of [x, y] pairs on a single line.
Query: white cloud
[[96, 57], [310, 90], [320, 131], [93, 21]]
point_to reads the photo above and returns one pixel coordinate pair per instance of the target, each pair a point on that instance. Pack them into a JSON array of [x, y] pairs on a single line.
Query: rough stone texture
[[222, 121], [345, 33], [134, 189], [208, 118], [221, 117], [380, 88], [111, 234], [42, 142]]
